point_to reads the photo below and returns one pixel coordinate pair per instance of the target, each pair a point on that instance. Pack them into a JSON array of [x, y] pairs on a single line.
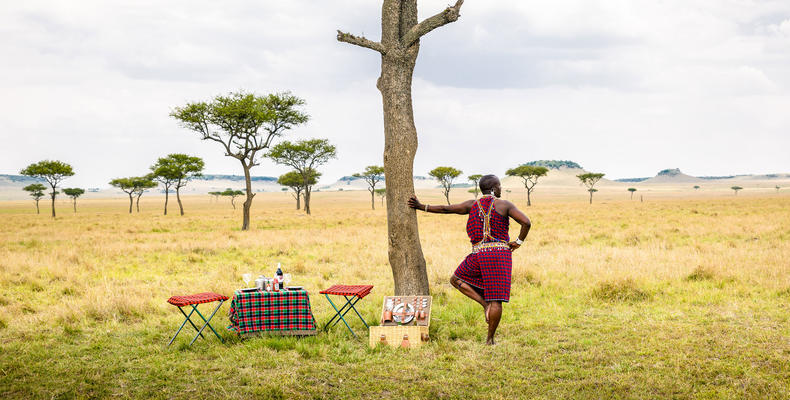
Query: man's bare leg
[[494, 315], [470, 292]]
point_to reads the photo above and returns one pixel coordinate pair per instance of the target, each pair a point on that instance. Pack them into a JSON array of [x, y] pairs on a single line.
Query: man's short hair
[[488, 182]]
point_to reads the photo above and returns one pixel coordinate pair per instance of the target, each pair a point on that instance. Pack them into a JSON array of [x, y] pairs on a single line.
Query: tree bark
[[307, 200], [178, 197], [167, 193], [38, 211], [372, 199], [137, 203], [529, 200], [53, 201], [75, 205], [299, 200], [131, 203], [591, 197], [233, 202], [245, 224]]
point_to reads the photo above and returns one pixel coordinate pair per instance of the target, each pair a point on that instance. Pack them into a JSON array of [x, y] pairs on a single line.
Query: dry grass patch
[[622, 290], [701, 273]]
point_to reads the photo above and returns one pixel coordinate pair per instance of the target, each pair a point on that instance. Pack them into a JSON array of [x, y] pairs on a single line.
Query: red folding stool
[[352, 294], [193, 300]]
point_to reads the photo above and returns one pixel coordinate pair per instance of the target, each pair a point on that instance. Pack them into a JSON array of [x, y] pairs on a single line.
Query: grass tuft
[[622, 290], [701, 274]]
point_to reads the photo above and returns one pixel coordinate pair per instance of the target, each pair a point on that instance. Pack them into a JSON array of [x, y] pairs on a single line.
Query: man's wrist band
[[519, 241], [426, 208]]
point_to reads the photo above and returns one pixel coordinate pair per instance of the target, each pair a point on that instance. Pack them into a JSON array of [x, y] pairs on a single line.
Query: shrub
[[622, 290]]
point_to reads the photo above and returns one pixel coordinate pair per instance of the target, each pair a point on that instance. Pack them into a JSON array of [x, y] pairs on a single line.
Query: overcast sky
[[622, 87]]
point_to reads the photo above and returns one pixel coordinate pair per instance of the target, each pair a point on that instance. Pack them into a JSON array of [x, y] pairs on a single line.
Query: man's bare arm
[[460, 208], [522, 219]]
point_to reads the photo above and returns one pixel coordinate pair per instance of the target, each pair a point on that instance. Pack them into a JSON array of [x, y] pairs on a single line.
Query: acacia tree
[[529, 174], [696, 187], [632, 190], [736, 189], [163, 172], [382, 193], [445, 176], [74, 193], [144, 183], [399, 46], [128, 186], [244, 124], [777, 188], [232, 194], [36, 191], [589, 180], [294, 181], [178, 169], [303, 156], [51, 171], [475, 179], [215, 195], [372, 175]]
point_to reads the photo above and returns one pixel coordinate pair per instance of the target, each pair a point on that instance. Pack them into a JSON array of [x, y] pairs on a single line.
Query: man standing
[[484, 276]]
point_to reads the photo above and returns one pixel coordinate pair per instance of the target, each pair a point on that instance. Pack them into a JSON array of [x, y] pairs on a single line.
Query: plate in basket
[[293, 287], [247, 290]]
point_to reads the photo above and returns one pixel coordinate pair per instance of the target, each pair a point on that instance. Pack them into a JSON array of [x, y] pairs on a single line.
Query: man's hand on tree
[[415, 204]]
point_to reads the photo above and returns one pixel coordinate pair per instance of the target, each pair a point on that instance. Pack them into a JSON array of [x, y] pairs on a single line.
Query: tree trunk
[[632, 195], [233, 202], [299, 200], [38, 211], [400, 146], [75, 205], [167, 193], [245, 224], [591, 196], [529, 201], [307, 200], [53, 201], [178, 197], [138, 203], [131, 203], [373, 198]]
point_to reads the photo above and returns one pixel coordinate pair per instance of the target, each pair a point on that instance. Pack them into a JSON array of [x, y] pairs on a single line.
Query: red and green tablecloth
[[284, 312]]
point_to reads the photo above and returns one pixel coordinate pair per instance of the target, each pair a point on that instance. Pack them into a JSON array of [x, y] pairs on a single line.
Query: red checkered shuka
[[490, 269]]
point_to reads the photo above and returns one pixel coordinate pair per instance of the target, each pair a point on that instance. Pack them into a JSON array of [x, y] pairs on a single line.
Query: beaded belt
[[476, 248]]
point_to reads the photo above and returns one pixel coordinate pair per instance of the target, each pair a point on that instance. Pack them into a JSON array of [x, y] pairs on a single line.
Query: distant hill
[[19, 179], [554, 164], [672, 175]]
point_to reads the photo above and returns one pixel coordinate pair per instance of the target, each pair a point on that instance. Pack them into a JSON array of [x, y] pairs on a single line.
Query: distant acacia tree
[[74, 193], [177, 169], [696, 187], [143, 183], [529, 175], [382, 193], [777, 188], [475, 179], [632, 190], [128, 186], [589, 180], [51, 171], [244, 124], [304, 156], [232, 194], [372, 175], [162, 172], [445, 176], [295, 182], [215, 195], [36, 191], [736, 189]]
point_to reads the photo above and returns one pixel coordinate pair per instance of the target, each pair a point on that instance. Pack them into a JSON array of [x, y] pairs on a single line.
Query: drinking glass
[[286, 279], [247, 277]]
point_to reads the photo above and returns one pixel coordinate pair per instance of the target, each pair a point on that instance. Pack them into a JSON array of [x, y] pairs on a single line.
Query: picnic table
[[286, 312]]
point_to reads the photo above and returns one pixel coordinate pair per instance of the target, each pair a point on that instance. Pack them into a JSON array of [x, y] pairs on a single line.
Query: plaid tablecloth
[[271, 312]]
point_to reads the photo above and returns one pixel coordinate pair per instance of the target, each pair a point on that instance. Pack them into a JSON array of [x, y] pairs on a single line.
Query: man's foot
[[490, 342]]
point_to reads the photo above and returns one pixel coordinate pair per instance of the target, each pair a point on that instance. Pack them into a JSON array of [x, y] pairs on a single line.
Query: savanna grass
[[672, 298]]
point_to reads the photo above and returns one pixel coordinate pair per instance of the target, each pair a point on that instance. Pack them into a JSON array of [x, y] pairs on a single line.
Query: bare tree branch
[[360, 41], [448, 15]]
